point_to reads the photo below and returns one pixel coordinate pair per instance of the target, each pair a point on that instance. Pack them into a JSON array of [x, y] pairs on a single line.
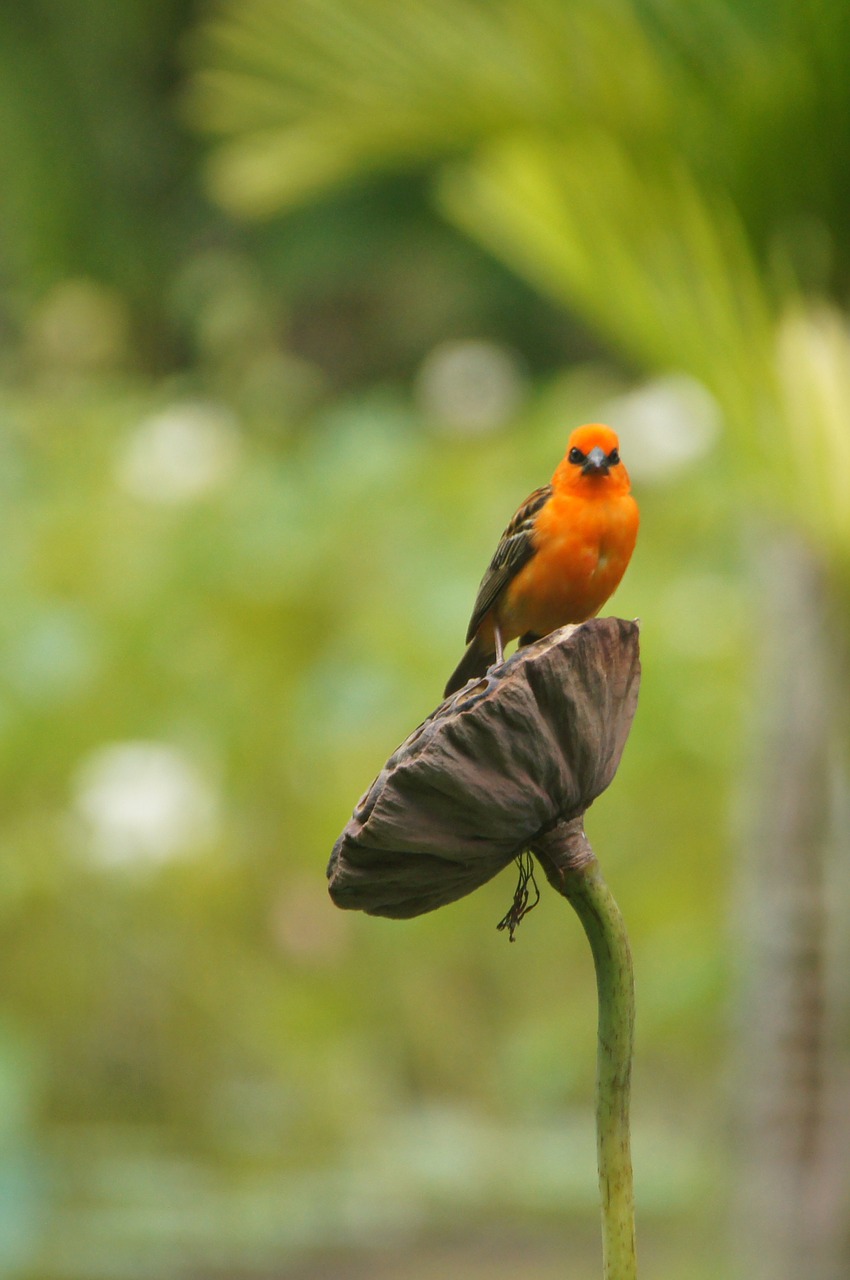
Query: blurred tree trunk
[[793, 1131]]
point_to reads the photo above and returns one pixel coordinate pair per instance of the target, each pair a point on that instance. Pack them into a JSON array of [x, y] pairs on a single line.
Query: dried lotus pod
[[501, 767]]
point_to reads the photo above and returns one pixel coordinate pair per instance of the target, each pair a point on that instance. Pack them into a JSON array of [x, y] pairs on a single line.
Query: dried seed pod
[[490, 772]]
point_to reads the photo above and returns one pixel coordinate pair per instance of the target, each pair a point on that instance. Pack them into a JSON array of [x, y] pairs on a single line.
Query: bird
[[560, 558]]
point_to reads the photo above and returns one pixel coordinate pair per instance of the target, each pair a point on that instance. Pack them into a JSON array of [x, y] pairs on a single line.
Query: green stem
[[606, 933], [576, 875]]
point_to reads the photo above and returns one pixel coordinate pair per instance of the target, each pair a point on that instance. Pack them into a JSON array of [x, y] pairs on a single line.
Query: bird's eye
[[576, 456], [613, 458]]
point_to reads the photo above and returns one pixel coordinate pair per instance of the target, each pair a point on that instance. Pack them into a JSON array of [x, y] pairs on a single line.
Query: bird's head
[[592, 460]]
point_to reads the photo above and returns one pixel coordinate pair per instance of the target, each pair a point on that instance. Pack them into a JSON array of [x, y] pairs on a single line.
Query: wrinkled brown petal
[[502, 760]]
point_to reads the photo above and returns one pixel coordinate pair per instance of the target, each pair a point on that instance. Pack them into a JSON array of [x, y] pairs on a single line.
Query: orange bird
[[561, 556]]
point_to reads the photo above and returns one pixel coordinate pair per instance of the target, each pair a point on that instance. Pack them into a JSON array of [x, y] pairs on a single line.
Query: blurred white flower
[[143, 802], [80, 326], [665, 426], [470, 387], [185, 452]]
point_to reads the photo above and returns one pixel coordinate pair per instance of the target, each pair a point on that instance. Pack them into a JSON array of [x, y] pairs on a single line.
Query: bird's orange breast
[[582, 546]]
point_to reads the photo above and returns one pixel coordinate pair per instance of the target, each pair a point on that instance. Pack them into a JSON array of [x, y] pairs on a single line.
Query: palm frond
[[661, 267], [652, 173], [367, 84]]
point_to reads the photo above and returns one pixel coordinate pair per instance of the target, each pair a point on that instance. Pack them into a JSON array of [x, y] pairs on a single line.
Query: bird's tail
[[472, 665]]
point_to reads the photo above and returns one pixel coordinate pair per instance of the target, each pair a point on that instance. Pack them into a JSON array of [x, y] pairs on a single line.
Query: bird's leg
[[500, 650]]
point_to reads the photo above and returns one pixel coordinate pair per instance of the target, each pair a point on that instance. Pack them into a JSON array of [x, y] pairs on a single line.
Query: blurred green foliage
[[674, 195], [247, 493]]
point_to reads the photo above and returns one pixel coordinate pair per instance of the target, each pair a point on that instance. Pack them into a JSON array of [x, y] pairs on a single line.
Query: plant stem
[[576, 875], [606, 933]]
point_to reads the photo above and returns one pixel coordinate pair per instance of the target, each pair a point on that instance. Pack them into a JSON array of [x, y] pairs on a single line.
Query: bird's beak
[[596, 464]]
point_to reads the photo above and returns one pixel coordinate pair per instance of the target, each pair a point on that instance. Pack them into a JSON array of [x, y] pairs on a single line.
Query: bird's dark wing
[[514, 550]]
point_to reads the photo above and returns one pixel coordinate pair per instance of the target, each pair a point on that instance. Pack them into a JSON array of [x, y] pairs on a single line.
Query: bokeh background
[[299, 299]]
